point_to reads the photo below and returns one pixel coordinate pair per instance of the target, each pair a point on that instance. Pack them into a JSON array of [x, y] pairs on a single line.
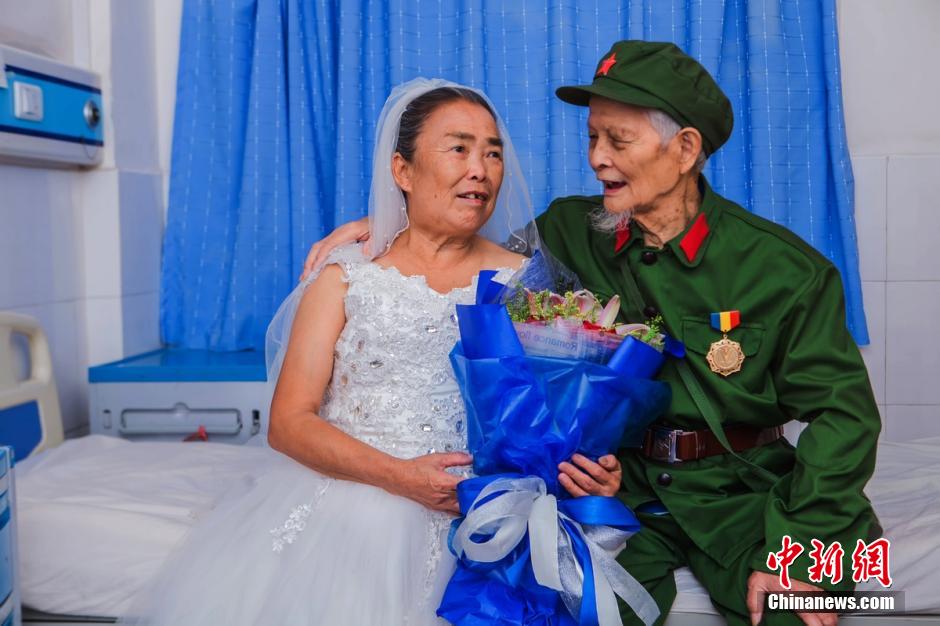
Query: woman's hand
[[584, 477], [347, 233], [424, 480]]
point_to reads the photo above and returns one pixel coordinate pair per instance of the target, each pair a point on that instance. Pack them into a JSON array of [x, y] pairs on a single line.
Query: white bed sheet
[[905, 491], [97, 516]]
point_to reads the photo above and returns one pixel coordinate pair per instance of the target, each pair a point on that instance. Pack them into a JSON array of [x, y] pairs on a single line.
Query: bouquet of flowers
[[543, 376], [575, 326]]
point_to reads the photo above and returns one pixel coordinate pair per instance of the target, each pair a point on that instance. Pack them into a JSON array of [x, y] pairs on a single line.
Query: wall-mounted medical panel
[[50, 113]]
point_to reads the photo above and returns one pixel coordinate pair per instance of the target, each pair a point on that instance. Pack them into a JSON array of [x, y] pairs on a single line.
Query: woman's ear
[[401, 172], [690, 144]]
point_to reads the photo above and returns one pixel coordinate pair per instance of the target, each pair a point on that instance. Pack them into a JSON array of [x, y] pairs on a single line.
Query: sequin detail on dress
[[393, 386], [296, 522]]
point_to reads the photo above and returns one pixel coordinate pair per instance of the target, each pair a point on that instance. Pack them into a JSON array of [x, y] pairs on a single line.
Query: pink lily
[[632, 329], [586, 302], [609, 314], [533, 303], [555, 300]]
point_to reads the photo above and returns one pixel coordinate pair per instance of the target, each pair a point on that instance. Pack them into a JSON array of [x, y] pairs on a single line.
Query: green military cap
[[660, 76]]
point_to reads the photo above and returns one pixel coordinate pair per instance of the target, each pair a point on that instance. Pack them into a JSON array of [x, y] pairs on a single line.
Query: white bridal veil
[[388, 216]]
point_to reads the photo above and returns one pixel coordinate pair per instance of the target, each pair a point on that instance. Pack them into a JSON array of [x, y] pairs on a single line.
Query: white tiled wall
[[45, 29], [167, 16], [890, 51], [40, 270], [80, 250]]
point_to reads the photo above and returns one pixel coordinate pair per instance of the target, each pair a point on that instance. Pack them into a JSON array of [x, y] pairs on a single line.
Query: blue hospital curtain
[[277, 101]]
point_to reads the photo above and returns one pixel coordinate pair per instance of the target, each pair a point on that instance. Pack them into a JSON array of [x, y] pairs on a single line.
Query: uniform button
[[650, 312], [664, 479], [649, 257]]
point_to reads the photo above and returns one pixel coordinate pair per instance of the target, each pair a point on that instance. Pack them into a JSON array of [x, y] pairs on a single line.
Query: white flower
[[609, 314]]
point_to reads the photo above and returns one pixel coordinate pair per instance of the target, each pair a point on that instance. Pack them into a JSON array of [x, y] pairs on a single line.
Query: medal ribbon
[[724, 321]]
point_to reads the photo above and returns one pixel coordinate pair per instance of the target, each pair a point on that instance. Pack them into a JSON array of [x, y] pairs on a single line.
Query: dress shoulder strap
[[348, 257]]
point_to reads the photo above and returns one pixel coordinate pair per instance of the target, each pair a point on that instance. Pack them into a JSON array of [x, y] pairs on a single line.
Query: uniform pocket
[[698, 336]]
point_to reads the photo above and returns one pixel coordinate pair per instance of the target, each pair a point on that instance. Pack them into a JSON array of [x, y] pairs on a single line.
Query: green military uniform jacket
[[801, 363]]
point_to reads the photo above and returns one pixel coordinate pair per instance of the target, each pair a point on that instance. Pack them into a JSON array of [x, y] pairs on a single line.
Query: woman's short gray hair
[[667, 128]]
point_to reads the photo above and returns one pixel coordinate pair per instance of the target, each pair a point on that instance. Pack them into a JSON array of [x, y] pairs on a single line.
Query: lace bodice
[[393, 386]]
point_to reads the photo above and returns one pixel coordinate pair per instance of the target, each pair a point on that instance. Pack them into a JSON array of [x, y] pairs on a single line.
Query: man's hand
[[759, 584], [347, 233], [584, 477]]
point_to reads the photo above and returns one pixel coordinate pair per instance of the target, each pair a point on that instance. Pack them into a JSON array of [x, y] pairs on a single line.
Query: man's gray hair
[[667, 128], [605, 221]]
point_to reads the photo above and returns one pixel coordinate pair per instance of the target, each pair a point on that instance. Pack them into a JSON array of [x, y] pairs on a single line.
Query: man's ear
[[401, 172], [689, 142]]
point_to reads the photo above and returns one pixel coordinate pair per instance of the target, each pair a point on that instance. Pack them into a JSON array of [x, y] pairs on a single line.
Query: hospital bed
[[98, 515]]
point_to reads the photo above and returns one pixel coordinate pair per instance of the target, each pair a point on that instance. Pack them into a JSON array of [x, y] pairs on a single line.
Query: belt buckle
[[664, 444]]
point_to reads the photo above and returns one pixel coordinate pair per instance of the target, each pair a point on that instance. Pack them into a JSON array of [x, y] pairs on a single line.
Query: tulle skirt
[[300, 548]]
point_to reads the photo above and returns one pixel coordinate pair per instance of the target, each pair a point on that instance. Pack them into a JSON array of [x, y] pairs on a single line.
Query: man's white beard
[[606, 221]]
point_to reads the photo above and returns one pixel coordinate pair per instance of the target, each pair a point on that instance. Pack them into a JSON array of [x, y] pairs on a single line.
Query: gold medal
[[725, 356]]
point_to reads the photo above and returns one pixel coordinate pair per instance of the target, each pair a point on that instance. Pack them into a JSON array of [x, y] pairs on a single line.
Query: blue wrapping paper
[[528, 414], [525, 415]]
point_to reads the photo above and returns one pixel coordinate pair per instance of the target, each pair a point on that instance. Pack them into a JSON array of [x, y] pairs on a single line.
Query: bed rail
[[30, 419]]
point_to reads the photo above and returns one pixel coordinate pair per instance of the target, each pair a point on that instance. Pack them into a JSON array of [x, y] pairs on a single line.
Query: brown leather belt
[[675, 446]]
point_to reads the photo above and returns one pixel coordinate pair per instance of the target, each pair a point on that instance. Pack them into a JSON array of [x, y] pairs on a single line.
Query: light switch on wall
[[28, 101]]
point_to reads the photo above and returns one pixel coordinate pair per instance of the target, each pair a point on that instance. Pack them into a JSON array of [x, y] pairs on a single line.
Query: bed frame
[[38, 618], [30, 419]]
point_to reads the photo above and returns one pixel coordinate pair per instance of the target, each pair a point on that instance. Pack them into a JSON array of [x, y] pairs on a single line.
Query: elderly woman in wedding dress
[[348, 524]]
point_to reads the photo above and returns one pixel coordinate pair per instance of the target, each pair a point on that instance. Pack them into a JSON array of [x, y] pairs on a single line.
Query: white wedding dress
[[299, 548]]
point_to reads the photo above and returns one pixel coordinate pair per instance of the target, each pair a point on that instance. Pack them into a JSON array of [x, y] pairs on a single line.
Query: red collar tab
[[606, 65], [693, 239], [623, 236]]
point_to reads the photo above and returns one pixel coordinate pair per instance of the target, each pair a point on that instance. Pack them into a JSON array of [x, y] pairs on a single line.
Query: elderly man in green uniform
[[763, 319], [762, 316]]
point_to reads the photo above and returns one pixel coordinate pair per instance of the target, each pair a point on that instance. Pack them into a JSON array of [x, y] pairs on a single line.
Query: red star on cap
[[607, 64]]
